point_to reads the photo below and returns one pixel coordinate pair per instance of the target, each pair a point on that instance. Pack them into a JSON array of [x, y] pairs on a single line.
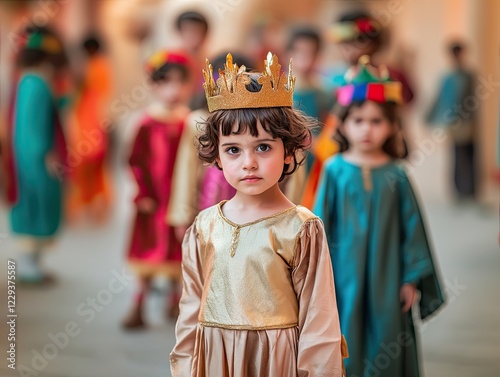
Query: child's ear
[[288, 159], [217, 160]]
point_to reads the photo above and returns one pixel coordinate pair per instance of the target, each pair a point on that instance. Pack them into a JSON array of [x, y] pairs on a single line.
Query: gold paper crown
[[230, 91]]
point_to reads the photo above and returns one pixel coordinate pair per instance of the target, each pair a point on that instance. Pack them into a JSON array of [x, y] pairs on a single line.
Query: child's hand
[[146, 205], [407, 294], [51, 163], [180, 231]]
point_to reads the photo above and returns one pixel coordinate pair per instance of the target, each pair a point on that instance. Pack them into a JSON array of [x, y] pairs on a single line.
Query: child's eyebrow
[[255, 142], [266, 140]]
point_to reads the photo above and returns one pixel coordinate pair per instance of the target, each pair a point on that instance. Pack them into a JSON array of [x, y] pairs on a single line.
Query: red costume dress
[[154, 248]]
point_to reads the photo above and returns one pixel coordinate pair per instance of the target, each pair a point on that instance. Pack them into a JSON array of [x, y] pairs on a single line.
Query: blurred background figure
[[89, 184], [193, 29], [357, 33], [38, 150], [267, 33], [452, 111], [304, 47], [154, 249], [3, 151]]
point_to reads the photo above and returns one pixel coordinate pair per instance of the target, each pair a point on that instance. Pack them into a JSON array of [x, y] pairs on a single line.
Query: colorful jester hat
[[162, 57], [367, 83], [40, 41], [348, 31]]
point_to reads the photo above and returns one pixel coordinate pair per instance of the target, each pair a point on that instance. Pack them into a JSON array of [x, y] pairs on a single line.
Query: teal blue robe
[[455, 87], [377, 243], [37, 212], [313, 102]]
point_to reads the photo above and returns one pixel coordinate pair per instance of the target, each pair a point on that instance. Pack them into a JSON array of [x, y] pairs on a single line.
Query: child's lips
[[251, 178]]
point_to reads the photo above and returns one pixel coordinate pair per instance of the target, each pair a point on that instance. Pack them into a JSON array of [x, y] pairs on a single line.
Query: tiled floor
[[462, 341]]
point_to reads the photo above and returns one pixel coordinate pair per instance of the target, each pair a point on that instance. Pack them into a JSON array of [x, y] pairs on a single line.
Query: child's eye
[[263, 148], [358, 120], [376, 121], [232, 150]]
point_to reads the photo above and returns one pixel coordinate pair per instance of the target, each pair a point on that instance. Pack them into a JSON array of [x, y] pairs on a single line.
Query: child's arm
[[320, 343], [138, 164], [181, 357], [416, 255]]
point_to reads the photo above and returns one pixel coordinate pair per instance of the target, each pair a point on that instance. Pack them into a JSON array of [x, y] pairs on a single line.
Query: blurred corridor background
[[72, 326]]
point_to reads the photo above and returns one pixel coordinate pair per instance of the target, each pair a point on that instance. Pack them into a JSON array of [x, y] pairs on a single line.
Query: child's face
[[174, 89], [367, 128], [352, 51], [193, 35], [252, 165], [303, 52]]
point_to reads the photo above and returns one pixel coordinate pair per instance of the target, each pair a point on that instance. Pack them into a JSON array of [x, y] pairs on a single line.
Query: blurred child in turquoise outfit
[[378, 245], [38, 150], [447, 111]]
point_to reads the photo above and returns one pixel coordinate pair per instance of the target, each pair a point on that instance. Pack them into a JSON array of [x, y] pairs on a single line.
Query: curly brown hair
[[394, 146], [285, 123]]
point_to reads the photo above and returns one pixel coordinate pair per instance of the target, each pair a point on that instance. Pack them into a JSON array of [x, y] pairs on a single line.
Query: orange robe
[[88, 142], [324, 148]]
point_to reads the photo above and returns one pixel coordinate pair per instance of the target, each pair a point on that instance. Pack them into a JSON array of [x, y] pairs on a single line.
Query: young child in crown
[[378, 244], [154, 249], [258, 292]]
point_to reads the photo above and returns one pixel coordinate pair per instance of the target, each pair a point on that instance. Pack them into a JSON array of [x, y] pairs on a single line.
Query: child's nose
[[250, 162]]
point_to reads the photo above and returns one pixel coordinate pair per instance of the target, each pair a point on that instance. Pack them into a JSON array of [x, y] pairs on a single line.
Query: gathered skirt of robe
[[245, 353]]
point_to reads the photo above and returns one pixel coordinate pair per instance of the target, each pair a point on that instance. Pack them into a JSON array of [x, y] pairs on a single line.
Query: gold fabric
[[269, 310]]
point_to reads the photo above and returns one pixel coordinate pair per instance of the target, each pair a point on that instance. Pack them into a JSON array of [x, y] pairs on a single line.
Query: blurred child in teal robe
[[38, 150], [378, 245], [448, 111]]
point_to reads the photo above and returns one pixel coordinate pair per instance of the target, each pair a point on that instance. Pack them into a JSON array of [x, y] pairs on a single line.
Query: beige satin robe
[[258, 299]]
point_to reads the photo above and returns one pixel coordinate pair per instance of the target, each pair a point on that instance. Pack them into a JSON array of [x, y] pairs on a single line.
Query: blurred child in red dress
[[154, 249]]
